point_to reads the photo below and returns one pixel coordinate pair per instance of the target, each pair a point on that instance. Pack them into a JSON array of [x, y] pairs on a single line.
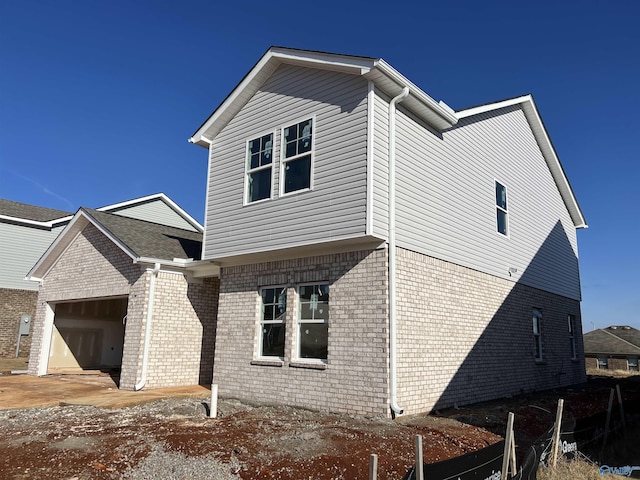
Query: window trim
[[501, 209], [536, 316], [297, 360], [606, 363], [571, 320], [636, 367], [248, 170], [284, 160], [259, 355]]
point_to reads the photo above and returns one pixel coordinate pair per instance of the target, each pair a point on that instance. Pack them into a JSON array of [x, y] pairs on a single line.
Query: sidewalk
[[25, 391]]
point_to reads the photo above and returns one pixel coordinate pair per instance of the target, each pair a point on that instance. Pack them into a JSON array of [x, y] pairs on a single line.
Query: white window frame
[[248, 170], [262, 322], [300, 322], [635, 365], [571, 320], [536, 316], [499, 208], [284, 160]]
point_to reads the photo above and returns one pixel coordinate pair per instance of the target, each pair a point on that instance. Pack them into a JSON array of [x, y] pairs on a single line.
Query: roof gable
[[142, 241], [546, 147], [378, 71]]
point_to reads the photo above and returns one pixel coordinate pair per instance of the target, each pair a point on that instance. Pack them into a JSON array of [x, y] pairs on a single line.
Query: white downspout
[[147, 330], [393, 377]]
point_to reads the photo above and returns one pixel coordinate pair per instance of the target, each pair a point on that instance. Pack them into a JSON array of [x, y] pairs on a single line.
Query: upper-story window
[[297, 156], [259, 165], [537, 333], [502, 213], [572, 336]]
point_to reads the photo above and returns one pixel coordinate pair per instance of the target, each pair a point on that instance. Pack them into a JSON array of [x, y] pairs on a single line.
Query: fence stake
[[373, 467], [507, 446], [606, 425], [621, 407], [556, 432], [419, 464], [213, 407], [513, 455]]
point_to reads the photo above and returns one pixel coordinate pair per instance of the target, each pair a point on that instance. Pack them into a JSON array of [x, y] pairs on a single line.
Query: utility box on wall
[[25, 324], [23, 330]]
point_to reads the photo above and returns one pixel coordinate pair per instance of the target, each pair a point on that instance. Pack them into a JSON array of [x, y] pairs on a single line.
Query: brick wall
[[183, 331], [14, 304], [356, 376], [465, 336], [184, 314]]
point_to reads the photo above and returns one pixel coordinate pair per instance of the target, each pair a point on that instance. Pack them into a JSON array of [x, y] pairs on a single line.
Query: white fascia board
[[262, 70], [546, 147], [36, 223], [57, 247], [176, 262], [446, 117], [156, 196]]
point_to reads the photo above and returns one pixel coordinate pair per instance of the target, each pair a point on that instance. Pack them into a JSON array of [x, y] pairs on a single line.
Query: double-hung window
[[572, 336], [632, 364], [258, 166], [537, 333], [313, 320], [297, 157], [502, 213], [272, 321]]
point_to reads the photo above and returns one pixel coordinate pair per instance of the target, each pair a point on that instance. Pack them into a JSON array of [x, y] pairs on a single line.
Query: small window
[[537, 333], [603, 363], [502, 213], [571, 320], [259, 166], [272, 325], [297, 147], [632, 364], [313, 321]]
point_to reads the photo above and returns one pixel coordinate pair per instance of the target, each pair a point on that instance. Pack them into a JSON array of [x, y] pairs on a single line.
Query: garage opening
[[88, 335]]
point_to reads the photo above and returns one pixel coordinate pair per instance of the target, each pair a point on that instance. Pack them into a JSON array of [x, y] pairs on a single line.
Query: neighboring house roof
[[31, 214], [392, 82], [613, 340], [143, 241]]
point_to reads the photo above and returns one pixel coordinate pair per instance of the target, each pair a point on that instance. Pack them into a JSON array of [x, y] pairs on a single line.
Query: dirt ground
[[174, 439]]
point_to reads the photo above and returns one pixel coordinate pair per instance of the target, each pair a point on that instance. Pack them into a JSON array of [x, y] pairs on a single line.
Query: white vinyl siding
[[336, 207], [155, 211], [446, 200], [22, 247], [381, 166]]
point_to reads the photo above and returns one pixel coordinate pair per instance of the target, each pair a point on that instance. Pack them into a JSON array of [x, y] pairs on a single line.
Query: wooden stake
[[373, 467], [419, 463], [556, 433], [606, 425], [513, 454], [621, 407], [508, 441]]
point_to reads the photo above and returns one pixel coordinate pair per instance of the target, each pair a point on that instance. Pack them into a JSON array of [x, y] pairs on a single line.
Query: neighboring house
[[115, 294], [613, 348], [26, 231], [379, 252]]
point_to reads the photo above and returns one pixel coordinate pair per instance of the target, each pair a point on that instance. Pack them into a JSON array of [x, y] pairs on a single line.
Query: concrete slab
[[24, 391]]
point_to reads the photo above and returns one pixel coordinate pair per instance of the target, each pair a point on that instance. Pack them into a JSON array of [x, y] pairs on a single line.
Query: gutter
[[393, 377], [147, 331]]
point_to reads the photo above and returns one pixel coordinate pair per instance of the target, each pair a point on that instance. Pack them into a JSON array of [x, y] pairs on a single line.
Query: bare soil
[[174, 439]]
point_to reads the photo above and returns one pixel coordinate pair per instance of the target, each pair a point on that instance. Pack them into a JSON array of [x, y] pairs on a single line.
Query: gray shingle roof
[[614, 340], [148, 239], [30, 212]]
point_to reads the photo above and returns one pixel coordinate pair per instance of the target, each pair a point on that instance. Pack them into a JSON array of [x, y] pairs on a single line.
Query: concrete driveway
[[25, 391]]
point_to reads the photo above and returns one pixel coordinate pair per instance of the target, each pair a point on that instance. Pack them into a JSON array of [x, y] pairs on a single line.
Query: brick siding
[[356, 376], [14, 304], [465, 336]]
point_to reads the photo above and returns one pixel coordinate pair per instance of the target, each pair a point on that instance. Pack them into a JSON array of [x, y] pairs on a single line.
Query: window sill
[[268, 363], [320, 365]]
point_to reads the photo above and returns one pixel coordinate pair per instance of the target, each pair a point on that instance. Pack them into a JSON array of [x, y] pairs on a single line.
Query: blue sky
[[97, 99]]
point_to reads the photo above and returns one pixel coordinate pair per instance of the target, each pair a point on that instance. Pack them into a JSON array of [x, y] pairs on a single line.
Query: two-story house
[[379, 252]]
